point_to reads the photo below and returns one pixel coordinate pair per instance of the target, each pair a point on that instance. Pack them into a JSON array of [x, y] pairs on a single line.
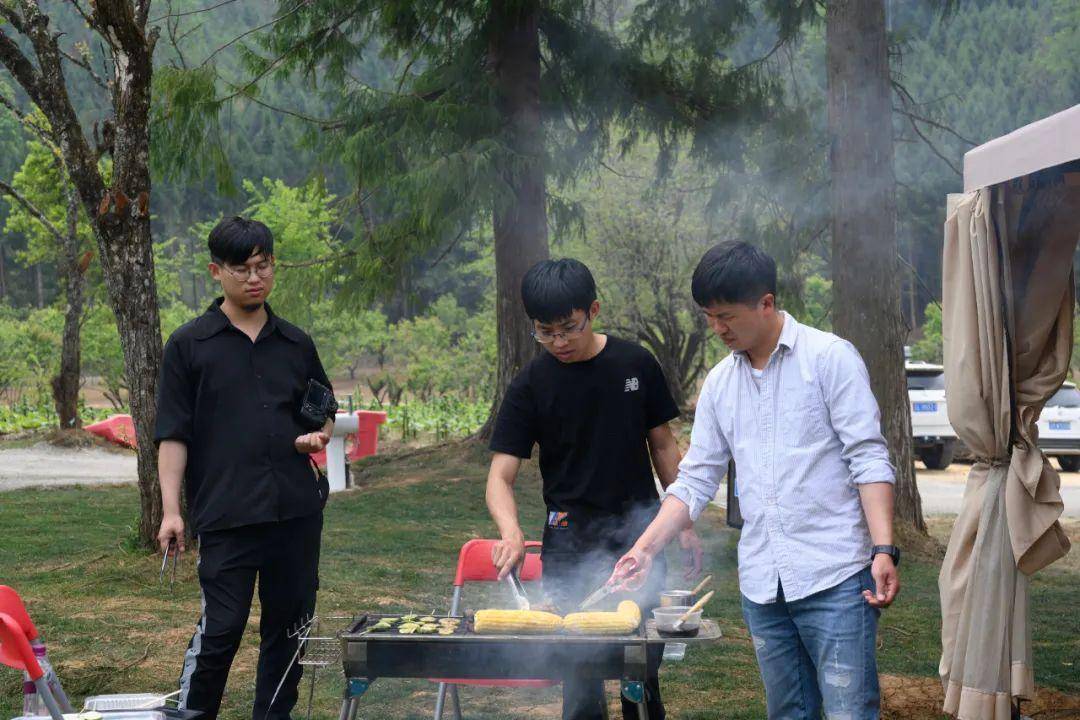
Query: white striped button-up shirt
[[803, 437]]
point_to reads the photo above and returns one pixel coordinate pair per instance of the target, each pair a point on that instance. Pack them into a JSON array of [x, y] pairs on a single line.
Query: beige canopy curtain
[[1007, 327]]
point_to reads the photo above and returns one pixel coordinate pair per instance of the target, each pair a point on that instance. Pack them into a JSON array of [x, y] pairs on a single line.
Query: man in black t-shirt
[[598, 408]]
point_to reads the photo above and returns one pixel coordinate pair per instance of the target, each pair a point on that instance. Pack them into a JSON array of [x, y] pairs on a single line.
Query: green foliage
[[301, 220], [184, 116], [817, 303], [345, 338], [445, 352], [29, 353], [442, 418], [929, 347], [102, 356], [25, 415], [42, 182]]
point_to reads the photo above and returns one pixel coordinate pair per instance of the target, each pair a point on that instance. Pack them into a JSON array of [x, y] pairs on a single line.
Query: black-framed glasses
[[263, 268], [572, 334]]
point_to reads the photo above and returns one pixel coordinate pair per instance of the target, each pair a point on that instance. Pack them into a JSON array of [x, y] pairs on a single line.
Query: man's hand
[[691, 545], [171, 531], [312, 442], [632, 570], [886, 582], [508, 554]]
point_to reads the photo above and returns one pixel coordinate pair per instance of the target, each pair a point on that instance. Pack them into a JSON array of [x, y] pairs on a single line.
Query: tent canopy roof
[[1042, 144]]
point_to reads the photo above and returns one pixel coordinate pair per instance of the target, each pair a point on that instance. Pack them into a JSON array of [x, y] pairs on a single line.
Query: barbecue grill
[[466, 654]]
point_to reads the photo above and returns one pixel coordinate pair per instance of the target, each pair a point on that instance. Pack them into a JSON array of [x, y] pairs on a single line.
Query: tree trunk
[[65, 385], [866, 292], [520, 225], [3, 274], [119, 213], [39, 286]]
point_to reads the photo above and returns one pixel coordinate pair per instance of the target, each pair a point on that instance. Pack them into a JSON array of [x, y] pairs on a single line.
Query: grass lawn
[[392, 545]]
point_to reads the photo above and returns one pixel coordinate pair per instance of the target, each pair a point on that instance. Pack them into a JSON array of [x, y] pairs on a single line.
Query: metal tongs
[[518, 590], [165, 561], [597, 595]]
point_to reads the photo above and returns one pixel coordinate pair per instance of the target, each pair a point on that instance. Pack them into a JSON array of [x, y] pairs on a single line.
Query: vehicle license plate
[[926, 407], [1060, 425]]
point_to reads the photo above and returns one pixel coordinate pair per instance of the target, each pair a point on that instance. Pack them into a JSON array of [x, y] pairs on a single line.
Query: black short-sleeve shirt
[[591, 420], [235, 404]]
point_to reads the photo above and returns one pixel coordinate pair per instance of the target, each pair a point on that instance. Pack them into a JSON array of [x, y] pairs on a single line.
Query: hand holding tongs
[[518, 590], [164, 562]]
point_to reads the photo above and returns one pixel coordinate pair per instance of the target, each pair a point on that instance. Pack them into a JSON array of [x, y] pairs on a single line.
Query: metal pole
[[46, 695]]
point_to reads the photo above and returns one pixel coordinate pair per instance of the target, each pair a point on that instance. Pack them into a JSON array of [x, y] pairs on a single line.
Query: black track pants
[[284, 557]]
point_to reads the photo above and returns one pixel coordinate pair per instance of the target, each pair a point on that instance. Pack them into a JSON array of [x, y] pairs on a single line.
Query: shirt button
[[265, 406]]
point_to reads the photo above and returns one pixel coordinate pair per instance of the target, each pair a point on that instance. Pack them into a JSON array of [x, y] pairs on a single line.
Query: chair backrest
[[475, 565], [12, 605], [15, 650]]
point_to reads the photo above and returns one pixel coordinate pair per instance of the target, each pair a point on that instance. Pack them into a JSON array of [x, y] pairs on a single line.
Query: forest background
[[421, 341]]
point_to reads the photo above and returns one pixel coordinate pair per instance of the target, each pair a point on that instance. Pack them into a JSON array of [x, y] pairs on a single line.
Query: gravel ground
[[43, 464]]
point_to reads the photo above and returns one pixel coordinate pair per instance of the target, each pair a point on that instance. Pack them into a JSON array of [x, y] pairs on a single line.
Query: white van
[[934, 438], [1059, 427]]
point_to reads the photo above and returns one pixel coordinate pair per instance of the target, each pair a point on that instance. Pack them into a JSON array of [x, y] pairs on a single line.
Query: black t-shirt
[[591, 421], [235, 404]]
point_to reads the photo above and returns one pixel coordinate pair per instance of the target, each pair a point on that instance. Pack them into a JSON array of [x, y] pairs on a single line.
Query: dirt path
[[43, 464]]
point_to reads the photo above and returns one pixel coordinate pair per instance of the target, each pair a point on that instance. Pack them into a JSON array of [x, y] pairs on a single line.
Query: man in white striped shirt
[[793, 407]]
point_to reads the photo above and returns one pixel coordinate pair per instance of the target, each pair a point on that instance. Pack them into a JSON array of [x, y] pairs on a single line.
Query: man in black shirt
[[228, 424], [598, 407]]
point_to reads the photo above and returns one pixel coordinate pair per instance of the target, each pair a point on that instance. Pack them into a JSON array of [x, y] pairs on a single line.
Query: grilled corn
[[516, 621], [623, 621]]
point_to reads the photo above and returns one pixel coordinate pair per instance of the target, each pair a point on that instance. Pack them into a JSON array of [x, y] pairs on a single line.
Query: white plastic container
[[124, 701], [666, 616]]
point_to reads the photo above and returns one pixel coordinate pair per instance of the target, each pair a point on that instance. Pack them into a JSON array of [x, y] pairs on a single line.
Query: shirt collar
[[789, 333], [214, 320]]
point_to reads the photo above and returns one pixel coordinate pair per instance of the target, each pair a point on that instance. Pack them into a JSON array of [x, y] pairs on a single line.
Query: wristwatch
[[890, 550]]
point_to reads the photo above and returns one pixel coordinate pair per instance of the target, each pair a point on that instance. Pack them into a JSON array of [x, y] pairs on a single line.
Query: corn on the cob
[[516, 621], [621, 622]]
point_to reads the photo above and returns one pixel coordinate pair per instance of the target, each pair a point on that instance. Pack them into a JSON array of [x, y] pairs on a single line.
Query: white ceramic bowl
[[666, 616]]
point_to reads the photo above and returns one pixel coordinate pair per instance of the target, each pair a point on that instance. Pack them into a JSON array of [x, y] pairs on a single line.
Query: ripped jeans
[[818, 653]]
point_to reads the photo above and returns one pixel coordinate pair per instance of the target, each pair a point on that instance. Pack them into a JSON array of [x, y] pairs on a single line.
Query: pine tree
[[498, 105]]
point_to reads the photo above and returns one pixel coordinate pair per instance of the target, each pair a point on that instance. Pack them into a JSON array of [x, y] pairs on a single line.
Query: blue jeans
[[818, 653]]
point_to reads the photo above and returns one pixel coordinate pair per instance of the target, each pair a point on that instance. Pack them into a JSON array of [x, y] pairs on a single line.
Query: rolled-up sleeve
[[855, 416], [175, 404], [707, 459]]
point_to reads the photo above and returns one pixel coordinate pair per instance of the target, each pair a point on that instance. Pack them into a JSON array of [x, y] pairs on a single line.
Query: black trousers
[[579, 552], [284, 557]]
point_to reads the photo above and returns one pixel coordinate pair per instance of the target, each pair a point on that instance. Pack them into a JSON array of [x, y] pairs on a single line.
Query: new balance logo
[[631, 385]]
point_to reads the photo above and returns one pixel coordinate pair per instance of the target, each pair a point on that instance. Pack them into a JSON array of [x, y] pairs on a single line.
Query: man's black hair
[[235, 239], [553, 289], [733, 272]]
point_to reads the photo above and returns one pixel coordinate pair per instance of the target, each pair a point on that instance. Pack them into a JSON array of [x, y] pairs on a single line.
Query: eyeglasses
[[263, 269], [572, 334]]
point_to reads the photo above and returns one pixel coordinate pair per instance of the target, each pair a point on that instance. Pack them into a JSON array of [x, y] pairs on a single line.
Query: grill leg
[[455, 701], [440, 700], [355, 707], [346, 707], [642, 711]]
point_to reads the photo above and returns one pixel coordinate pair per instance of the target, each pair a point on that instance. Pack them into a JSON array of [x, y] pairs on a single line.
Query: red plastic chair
[[12, 606], [475, 565], [15, 652]]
